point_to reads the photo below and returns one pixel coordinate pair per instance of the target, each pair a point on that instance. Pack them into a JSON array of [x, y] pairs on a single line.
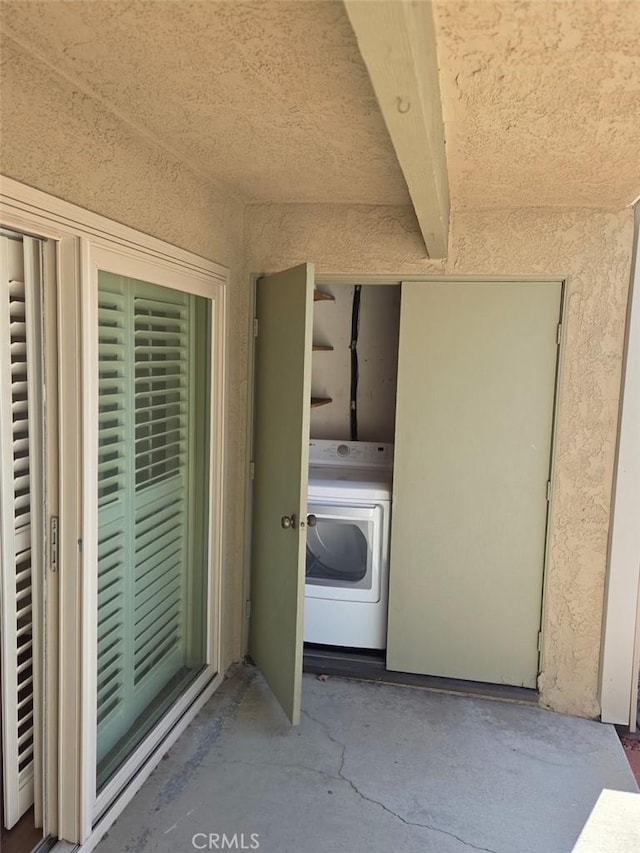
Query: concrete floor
[[372, 769]]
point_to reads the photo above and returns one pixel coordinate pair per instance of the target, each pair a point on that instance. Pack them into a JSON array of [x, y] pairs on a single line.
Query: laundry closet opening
[[402, 479], [353, 387], [430, 480]]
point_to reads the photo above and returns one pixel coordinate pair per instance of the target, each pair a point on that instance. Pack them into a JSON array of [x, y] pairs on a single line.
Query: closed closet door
[[20, 521], [475, 406]]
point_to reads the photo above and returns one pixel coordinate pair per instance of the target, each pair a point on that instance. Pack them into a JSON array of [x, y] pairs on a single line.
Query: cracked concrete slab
[[372, 769]]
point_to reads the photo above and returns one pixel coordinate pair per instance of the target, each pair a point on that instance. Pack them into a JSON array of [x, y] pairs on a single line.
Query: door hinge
[[539, 641], [559, 333], [252, 470], [548, 490], [255, 327], [247, 609], [53, 543]]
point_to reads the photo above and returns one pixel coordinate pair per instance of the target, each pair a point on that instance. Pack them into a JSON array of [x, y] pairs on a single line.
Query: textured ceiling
[[271, 100], [541, 102]]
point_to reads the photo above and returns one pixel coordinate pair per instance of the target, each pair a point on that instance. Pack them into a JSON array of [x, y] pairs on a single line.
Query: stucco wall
[[593, 250], [56, 139]]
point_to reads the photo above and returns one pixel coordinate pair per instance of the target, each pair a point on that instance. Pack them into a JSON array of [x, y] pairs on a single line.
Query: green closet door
[[474, 420], [281, 453], [153, 463]]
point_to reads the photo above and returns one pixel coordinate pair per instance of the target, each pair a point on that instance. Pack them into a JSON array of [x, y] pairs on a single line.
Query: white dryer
[[347, 571]]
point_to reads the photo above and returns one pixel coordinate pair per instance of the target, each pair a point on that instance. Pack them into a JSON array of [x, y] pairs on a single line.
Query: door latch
[[290, 522], [53, 553]]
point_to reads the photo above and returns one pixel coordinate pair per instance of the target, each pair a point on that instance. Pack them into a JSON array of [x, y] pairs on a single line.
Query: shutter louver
[[161, 407], [110, 624], [112, 488], [160, 366], [22, 542], [19, 404]]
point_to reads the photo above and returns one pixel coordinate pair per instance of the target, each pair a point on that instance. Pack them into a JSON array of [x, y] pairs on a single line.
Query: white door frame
[[621, 633], [69, 804], [98, 254]]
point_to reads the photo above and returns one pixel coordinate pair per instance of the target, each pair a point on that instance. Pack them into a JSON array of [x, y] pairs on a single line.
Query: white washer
[[347, 573]]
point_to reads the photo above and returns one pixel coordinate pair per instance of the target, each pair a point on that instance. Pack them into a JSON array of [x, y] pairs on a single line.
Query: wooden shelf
[[321, 296]]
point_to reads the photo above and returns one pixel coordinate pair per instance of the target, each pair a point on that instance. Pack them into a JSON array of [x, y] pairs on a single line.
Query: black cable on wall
[[355, 329]]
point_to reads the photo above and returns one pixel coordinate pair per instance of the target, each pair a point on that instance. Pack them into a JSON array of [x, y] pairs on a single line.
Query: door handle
[[290, 522]]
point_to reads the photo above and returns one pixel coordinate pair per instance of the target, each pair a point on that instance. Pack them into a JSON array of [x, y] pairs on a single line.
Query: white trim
[[42, 215], [621, 635], [70, 705], [127, 262], [87, 354], [51, 508]]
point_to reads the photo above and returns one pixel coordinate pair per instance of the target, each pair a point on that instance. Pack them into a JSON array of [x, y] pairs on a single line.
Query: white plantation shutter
[[19, 497], [112, 503], [161, 413], [144, 415]]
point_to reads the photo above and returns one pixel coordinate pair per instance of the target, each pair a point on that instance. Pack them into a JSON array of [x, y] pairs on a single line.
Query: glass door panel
[[153, 530]]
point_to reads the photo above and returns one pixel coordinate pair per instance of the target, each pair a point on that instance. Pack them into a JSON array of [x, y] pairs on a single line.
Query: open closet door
[[474, 421], [281, 457]]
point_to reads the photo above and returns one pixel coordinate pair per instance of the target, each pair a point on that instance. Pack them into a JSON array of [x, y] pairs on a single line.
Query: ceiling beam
[[397, 42]]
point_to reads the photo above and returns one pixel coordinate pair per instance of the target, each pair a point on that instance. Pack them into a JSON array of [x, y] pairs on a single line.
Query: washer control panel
[[352, 454]]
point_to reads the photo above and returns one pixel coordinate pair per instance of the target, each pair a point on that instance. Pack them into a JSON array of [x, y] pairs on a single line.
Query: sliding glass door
[[112, 366], [152, 344]]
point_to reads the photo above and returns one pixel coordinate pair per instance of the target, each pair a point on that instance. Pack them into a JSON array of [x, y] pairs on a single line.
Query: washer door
[[343, 553]]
